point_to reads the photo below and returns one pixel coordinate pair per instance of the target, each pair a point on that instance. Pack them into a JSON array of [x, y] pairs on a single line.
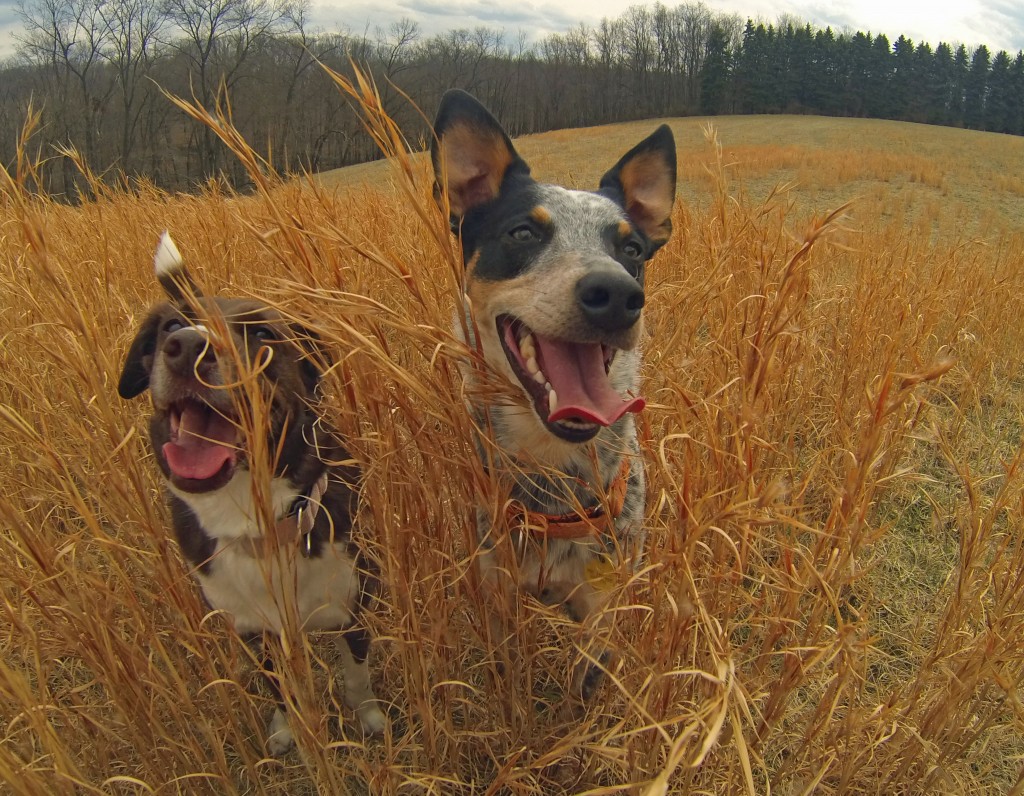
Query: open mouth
[[203, 446], [569, 383]]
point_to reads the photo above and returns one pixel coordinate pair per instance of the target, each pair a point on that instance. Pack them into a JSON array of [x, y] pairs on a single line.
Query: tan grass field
[[834, 596]]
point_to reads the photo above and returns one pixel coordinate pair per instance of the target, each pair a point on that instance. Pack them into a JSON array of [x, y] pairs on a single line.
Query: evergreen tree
[[901, 85], [961, 69], [878, 102], [940, 85], [858, 75], [827, 82], [778, 78], [754, 70], [998, 105], [803, 71], [1017, 95], [744, 70], [715, 75], [976, 89], [924, 99]]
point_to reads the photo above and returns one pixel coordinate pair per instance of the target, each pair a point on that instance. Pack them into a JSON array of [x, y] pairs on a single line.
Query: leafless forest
[[93, 74], [95, 70]]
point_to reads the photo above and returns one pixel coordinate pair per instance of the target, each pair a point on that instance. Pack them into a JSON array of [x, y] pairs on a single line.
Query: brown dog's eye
[[264, 333], [173, 325]]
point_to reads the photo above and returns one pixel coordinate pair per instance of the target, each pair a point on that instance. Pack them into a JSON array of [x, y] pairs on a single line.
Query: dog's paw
[[371, 718], [279, 734]]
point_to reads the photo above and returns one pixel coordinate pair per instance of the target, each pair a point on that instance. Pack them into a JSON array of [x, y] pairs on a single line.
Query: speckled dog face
[[555, 277]]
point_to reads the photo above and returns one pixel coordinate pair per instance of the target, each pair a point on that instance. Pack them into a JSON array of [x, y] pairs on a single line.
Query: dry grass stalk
[[832, 602]]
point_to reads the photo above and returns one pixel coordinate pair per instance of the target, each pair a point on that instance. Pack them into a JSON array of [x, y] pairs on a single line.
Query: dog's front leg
[[497, 597], [589, 605], [354, 648], [279, 734]]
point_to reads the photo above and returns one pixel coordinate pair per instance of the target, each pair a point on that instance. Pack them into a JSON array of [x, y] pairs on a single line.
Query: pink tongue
[[577, 375], [204, 443]]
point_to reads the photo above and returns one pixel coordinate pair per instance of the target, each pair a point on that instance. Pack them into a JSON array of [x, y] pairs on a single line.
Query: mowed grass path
[[834, 596]]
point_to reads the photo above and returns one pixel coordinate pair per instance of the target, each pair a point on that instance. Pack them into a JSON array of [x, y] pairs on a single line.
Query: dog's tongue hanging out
[[202, 441], [578, 377]]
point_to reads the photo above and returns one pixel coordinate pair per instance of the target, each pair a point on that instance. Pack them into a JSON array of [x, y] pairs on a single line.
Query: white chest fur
[[230, 512], [282, 588], [271, 590]]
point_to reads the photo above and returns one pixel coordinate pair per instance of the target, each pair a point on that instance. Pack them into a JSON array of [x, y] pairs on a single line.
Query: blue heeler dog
[[554, 290]]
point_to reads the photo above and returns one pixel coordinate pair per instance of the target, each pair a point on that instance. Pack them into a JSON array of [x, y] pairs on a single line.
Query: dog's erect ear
[[170, 270], [139, 361], [471, 153], [643, 182]]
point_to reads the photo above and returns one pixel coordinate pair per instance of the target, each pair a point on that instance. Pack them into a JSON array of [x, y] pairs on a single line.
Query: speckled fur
[[574, 234]]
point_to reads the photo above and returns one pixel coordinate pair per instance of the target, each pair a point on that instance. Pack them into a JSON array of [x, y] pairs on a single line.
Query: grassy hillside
[[834, 599], [958, 181]]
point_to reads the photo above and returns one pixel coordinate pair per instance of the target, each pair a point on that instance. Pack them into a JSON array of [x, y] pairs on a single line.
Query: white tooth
[[532, 366], [552, 402], [527, 346], [547, 386], [540, 378]]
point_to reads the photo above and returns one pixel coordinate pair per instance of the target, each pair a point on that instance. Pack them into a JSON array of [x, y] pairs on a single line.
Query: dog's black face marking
[[555, 277]]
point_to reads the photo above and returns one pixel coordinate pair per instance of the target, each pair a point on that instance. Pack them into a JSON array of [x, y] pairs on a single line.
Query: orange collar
[[595, 521]]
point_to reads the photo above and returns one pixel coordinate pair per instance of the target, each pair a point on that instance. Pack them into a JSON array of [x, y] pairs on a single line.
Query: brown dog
[[266, 554]]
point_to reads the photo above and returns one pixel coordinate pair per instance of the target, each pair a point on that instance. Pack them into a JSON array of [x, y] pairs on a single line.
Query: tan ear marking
[[475, 161], [649, 192]]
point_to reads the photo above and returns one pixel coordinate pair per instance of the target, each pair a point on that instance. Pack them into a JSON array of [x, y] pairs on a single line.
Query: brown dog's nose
[[188, 351], [611, 300]]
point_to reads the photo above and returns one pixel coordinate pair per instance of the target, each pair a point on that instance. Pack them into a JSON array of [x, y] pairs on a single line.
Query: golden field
[[833, 601]]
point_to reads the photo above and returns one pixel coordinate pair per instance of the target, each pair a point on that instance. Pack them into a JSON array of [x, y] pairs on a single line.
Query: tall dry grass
[[832, 601]]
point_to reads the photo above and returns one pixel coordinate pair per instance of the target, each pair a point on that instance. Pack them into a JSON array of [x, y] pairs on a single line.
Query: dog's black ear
[[139, 361], [643, 182], [471, 153], [172, 273]]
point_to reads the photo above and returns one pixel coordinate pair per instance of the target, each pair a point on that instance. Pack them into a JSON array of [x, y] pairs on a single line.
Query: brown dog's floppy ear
[[139, 361], [170, 270], [643, 183], [471, 153]]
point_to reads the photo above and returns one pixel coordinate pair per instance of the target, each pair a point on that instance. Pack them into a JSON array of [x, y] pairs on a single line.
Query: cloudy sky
[[997, 23]]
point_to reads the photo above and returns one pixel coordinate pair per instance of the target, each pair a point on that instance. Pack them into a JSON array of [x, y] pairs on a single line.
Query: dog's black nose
[[187, 351], [610, 300]]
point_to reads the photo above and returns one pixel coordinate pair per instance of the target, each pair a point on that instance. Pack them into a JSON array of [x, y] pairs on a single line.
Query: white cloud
[[997, 23]]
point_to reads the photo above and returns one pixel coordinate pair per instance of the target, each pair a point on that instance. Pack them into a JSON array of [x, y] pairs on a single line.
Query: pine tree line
[[802, 70], [95, 70]]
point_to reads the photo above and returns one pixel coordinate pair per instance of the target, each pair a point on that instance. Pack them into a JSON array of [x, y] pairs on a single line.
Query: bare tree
[[696, 23], [65, 39], [638, 54], [130, 30], [216, 38]]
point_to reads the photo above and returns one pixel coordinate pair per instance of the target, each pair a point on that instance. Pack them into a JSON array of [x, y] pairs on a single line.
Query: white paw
[[279, 734], [371, 718]]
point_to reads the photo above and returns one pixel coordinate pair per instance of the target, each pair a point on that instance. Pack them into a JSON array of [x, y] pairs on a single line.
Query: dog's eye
[[173, 325], [524, 233], [633, 250], [263, 333]]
